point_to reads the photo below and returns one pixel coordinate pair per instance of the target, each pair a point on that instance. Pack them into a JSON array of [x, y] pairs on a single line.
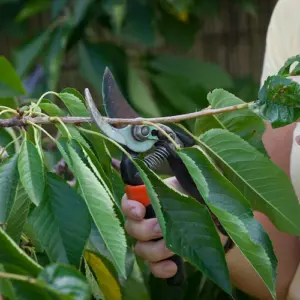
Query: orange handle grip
[[137, 193]]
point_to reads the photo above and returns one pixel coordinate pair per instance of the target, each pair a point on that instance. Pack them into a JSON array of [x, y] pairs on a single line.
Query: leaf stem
[[6, 107], [42, 129], [45, 94], [10, 143], [63, 125], [8, 110], [163, 132], [18, 277]]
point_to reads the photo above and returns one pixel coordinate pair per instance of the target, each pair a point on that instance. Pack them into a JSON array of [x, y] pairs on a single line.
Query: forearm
[[244, 277]]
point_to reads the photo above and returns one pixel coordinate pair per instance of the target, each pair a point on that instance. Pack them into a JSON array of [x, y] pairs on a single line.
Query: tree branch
[[19, 121]]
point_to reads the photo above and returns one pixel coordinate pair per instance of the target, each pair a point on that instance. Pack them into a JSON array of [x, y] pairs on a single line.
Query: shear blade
[[115, 104], [121, 135]]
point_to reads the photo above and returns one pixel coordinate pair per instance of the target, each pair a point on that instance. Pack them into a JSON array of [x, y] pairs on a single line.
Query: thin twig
[[17, 277], [19, 122], [42, 129]]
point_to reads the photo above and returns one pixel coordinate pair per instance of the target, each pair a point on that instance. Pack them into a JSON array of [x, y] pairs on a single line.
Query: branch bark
[[20, 122]]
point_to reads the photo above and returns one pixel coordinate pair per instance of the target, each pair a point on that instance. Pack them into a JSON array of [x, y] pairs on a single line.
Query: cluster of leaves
[[279, 98], [62, 230], [131, 38]]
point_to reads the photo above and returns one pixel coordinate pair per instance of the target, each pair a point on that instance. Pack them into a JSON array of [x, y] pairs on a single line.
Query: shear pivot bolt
[[145, 130], [141, 133]]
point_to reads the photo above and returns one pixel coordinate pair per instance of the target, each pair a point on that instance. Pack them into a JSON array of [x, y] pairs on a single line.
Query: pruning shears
[[138, 139]]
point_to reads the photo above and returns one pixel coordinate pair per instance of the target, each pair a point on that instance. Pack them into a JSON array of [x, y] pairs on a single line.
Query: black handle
[[179, 277], [131, 176]]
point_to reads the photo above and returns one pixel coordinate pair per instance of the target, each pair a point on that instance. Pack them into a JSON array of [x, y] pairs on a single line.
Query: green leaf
[[12, 255], [101, 151], [137, 91], [80, 9], [262, 182], [286, 69], [138, 25], [32, 8], [171, 27], [18, 215], [74, 92], [11, 102], [76, 135], [65, 280], [8, 181], [75, 105], [234, 213], [279, 101], [179, 6], [60, 233], [53, 110], [6, 288], [101, 209], [25, 55], [31, 171], [134, 288], [55, 54], [55, 282], [244, 123], [10, 83], [118, 186], [93, 59], [176, 92], [117, 11], [6, 138], [98, 170], [187, 228], [206, 74], [57, 7], [245, 88]]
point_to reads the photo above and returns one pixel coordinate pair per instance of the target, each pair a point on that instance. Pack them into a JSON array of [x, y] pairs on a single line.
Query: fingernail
[[157, 228], [136, 212]]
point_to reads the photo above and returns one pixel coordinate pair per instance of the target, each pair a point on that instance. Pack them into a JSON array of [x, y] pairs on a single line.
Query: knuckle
[[141, 250], [165, 269], [137, 230], [163, 250]]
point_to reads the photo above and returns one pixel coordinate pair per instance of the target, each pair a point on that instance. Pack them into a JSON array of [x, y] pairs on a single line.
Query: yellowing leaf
[[183, 16], [107, 283]]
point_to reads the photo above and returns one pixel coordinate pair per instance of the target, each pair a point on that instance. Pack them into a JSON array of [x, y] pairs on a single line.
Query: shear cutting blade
[[114, 103]]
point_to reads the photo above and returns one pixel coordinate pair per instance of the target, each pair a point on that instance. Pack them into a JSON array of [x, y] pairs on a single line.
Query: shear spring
[[154, 159]]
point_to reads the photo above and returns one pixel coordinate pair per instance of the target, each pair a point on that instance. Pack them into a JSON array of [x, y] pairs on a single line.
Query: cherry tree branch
[[23, 121]]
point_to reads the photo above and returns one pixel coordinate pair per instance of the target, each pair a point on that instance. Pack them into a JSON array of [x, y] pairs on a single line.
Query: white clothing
[[283, 41]]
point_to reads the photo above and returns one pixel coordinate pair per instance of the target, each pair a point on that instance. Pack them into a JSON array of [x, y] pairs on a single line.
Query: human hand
[[145, 230]]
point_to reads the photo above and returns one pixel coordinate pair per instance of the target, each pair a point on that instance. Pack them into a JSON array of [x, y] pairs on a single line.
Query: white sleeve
[[282, 42], [283, 36]]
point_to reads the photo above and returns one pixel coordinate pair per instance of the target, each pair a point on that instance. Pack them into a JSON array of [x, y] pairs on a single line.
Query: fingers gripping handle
[[139, 193]]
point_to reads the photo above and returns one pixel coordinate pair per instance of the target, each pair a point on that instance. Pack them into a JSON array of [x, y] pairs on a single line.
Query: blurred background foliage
[[151, 47], [165, 54]]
